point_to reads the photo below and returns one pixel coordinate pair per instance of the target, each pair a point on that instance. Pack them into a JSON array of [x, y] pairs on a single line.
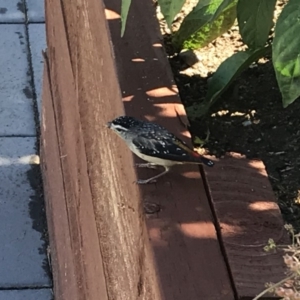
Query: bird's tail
[[199, 159], [194, 157], [207, 161]]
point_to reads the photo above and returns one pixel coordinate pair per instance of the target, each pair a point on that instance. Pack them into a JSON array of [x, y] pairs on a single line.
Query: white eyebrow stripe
[[119, 127]]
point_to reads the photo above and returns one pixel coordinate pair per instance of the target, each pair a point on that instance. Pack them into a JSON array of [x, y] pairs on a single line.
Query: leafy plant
[[124, 14], [286, 52], [211, 18], [204, 24]]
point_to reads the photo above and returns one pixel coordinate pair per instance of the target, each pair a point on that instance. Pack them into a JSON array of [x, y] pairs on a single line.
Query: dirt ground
[[249, 118]]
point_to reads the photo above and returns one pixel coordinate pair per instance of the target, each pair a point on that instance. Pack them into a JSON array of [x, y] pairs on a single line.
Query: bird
[[155, 145]]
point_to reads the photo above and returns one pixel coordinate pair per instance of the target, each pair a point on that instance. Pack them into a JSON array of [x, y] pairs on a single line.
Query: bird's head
[[123, 124]]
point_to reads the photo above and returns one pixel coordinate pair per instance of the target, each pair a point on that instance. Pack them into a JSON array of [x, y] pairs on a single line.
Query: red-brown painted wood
[[188, 257], [248, 216]]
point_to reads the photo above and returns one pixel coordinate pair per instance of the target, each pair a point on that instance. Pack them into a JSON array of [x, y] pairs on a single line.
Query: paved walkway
[[24, 271]]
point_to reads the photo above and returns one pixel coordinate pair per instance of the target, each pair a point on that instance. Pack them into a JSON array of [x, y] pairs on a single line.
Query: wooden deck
[[206, 240]]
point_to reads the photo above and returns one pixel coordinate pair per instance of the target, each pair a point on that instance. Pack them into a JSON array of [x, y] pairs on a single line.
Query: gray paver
[[12, 11], [43, 294], [16, 104], [35, 10], [21, 245], [37, 41]]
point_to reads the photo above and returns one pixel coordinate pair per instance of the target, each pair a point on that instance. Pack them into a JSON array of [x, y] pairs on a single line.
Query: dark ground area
[[271, 134]]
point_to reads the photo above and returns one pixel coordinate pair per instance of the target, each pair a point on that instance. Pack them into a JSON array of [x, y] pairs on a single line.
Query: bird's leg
[[146, 165], [153, 179]]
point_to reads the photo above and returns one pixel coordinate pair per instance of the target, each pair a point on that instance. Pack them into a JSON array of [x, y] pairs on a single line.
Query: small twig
[[273, 286]]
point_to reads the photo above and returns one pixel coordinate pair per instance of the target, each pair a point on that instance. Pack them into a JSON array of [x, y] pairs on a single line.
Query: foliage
[[286, 52], [255, 19], [170, 9], [211, 18], [124, 14], [204, 24], [289, 287], [229, 70]]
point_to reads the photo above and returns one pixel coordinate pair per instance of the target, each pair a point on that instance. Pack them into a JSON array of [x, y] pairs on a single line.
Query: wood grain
[[248, 216], [99, 239], [63, 267]]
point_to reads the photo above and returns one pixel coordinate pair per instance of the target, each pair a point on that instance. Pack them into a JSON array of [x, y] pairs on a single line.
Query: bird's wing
[[165, 145]]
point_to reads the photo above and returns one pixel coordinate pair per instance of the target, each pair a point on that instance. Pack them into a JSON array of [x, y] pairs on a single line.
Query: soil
[[249, 118]]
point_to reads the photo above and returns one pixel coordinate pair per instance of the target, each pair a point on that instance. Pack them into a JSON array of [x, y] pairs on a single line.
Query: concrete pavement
[[24, 269]]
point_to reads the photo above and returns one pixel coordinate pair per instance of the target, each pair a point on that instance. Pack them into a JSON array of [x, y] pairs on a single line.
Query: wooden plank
[[187, 252], [63, 269], [110, 251], [79, 260], [248, 215]]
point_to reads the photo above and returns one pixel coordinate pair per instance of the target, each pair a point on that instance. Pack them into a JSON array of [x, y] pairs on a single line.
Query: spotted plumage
[[155, 144]]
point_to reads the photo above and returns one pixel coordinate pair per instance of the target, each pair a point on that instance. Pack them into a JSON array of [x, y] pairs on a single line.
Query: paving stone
[[16, 103], [12, 11], [35, 11], [43, 294], [22, 249], [37, 41]]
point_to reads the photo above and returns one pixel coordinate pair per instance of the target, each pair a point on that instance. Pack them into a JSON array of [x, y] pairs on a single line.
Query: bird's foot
[[145, 181], [146, 165]]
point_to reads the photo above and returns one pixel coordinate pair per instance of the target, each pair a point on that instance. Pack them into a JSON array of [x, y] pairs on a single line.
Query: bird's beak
[[108, 124]]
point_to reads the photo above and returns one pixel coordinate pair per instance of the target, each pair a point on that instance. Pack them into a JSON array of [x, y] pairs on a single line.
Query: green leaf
[[124, 14], [224, 5], [211, 31], [286, 52], [169, 9], [229, 70], [255, 20], [196, 30]]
